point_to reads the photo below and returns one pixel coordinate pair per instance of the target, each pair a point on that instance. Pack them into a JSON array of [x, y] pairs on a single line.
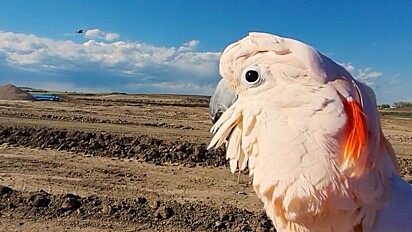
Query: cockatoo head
[[270, 71], [263, 61]]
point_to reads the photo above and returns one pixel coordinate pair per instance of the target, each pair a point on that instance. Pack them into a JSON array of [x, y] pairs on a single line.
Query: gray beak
[[221, 100]]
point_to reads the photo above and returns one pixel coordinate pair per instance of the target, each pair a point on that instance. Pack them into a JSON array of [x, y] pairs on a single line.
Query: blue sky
[[174, 46]]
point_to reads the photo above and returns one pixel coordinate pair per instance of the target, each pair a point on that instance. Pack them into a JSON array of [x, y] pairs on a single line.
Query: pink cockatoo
[[310, 135]]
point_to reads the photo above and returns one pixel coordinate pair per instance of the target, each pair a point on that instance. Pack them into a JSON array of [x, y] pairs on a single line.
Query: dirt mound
[[155, 214], [144, 148], [11, 92]]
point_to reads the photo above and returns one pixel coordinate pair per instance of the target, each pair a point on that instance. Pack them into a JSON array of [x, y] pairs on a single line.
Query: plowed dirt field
[[129, 163]]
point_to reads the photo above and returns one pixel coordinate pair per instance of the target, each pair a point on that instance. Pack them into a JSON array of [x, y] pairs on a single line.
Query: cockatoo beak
[[221, 100]]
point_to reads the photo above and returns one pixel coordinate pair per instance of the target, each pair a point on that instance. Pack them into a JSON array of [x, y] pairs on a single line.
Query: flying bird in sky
[[310, 135], [79, 31]]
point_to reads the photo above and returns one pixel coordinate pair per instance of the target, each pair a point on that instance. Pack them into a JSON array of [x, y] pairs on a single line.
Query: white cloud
[[111, 36], [100, 64], [367, 73], [189, 46], [388, 88], [94, 33], [347, 66], [98, 34], [172, 87], [192, 43], [362, 74], [65, 86]]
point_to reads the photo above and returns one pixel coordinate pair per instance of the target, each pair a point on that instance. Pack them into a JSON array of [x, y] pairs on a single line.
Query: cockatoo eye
[[252, 76]]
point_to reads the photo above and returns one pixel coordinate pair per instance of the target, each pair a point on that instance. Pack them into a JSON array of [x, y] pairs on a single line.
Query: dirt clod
[[4, 190], [70, 202], [39, 199], [164, 212]]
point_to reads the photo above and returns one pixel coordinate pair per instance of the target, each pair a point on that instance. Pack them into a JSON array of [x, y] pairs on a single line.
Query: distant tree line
[[383, 106], [402, 104], [399, 104]]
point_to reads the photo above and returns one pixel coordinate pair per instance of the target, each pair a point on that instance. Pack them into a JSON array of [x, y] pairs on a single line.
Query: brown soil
[[128, 163]]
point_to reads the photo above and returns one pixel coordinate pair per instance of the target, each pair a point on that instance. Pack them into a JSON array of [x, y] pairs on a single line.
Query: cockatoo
[[310, 135]]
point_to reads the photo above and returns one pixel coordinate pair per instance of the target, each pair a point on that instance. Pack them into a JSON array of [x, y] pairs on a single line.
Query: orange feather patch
[[356, 129]]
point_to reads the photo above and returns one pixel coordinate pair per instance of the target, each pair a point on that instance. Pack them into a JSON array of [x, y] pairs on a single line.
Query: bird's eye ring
[[252, 76]]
